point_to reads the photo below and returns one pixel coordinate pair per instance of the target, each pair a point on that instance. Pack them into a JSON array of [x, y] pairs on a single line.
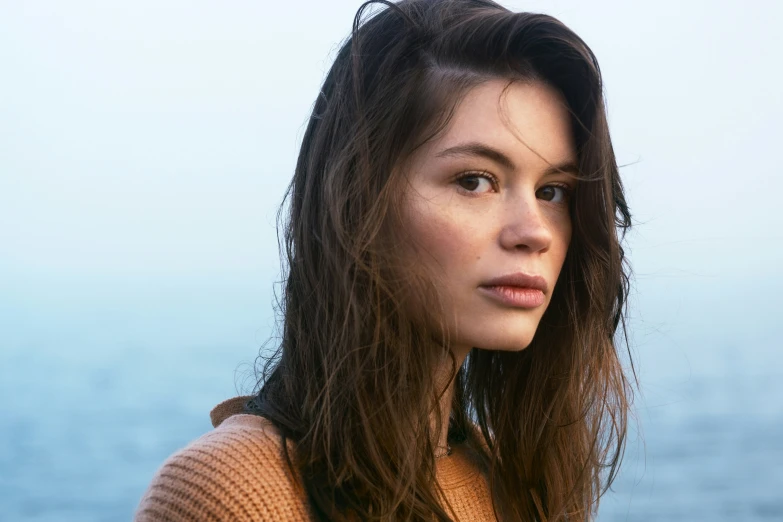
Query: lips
[[518, 280]]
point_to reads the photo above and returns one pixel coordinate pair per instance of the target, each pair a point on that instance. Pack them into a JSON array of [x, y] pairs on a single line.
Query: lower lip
[[515, 296]]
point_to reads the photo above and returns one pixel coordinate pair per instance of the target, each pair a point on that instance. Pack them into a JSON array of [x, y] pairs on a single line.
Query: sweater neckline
[[462, 467]]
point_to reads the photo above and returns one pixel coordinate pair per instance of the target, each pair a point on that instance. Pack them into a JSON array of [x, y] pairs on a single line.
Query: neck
[[444, 375]]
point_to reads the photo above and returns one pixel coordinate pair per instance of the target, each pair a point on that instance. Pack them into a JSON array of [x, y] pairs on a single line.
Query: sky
[[150, 143]]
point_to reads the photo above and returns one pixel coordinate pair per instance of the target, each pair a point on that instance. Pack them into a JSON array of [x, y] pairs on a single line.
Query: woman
[[455, 282]]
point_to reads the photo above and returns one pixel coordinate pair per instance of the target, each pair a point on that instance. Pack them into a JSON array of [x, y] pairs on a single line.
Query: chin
[[508, 335], [511, 347], [505, 344]]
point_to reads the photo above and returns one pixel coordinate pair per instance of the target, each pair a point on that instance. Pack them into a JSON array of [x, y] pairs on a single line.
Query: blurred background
[[145, 147]]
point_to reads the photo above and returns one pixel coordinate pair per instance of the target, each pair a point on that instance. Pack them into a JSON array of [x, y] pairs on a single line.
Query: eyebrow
[[476, 148]]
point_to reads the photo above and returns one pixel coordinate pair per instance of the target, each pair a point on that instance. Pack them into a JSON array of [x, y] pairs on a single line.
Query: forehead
[[527, 121]]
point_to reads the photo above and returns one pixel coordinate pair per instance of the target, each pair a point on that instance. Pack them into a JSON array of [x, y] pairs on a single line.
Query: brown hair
[[350, 381]]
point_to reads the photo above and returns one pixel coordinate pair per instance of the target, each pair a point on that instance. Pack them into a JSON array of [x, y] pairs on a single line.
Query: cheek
[[565, 242], [447, 248], [445, 240], [560, 228]]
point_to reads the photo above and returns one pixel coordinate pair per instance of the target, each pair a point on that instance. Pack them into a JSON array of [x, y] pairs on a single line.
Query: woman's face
[[482, 204]]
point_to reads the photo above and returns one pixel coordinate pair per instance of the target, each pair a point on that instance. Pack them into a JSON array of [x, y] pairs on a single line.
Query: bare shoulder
[[237, 472]]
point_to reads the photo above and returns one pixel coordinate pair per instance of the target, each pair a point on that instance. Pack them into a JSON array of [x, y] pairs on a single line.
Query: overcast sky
[[153, 140]]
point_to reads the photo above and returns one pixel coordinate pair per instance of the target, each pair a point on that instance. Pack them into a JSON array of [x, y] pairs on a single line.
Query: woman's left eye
[[551, 191]]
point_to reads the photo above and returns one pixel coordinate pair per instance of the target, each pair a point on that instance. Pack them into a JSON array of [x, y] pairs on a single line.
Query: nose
[[524, 225]]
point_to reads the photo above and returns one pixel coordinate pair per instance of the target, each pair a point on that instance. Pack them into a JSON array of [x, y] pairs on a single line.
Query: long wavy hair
[[351, 381]]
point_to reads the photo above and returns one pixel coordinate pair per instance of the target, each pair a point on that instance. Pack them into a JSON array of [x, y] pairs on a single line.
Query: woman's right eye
[[472, 182]]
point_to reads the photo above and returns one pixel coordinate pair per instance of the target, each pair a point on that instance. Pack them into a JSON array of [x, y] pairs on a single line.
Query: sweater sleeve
[[236, 472]]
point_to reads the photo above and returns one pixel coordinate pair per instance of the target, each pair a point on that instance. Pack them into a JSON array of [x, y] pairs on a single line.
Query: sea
[[101, 380]]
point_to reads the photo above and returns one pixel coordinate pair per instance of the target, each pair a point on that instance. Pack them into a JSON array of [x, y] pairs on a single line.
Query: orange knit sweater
[[237, 472]]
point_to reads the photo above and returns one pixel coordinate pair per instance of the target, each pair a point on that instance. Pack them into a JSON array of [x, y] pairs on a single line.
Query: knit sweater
[[237, 472]]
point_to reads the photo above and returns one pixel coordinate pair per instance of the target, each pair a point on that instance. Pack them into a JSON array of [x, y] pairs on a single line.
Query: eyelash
[[479, 174], [492, 178]]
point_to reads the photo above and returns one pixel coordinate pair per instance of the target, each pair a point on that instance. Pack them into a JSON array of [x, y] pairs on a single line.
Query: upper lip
[[519, 279]]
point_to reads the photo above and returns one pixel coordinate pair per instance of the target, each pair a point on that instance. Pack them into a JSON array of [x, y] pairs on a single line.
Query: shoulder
[[236, 472]]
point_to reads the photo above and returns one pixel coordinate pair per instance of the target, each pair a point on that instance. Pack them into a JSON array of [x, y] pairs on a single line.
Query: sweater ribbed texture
[[237, 472]]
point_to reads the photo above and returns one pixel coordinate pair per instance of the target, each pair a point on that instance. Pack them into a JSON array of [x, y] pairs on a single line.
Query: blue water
[[100, 383]]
